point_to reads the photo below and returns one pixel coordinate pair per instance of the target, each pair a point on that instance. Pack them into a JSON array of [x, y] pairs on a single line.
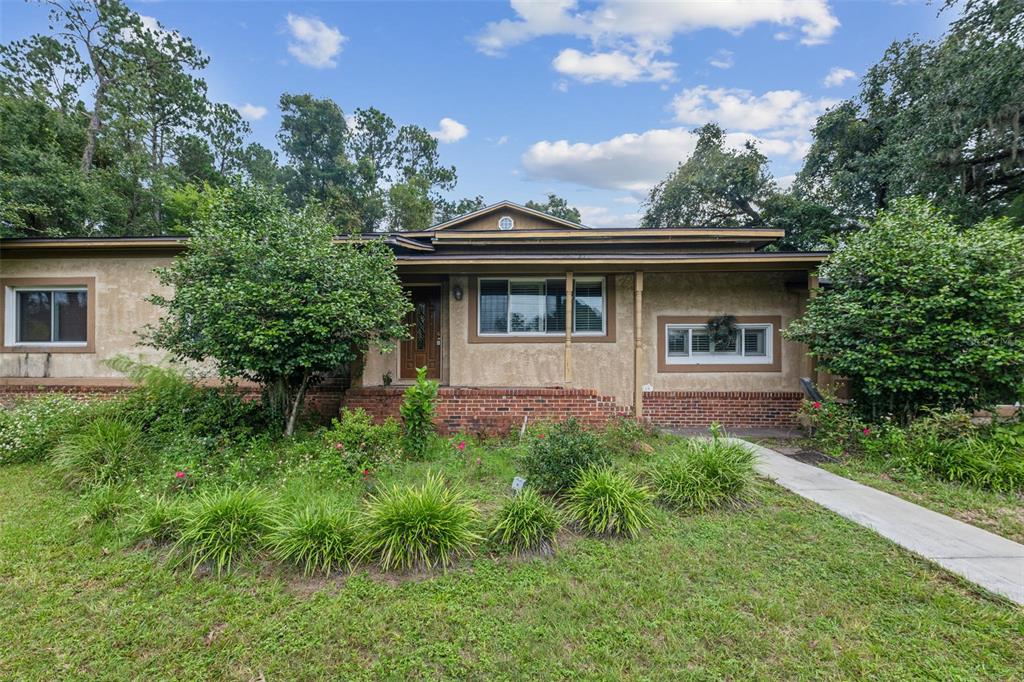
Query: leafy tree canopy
[[556, 206], [264, 294], [922, 314]]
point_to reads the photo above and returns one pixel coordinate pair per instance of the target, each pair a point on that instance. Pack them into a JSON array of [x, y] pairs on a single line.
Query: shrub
[[698, 475], [222, 525], [363, 444], [417, 412], [30, 429], [320, 536], [160, 520], [418, 526], [554, 458], [106, 450], [606, 502], [107, 503], [526, 523], [626, 436]]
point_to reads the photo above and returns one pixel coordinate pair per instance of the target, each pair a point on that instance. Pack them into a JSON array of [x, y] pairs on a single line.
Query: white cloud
[[643, 29], [449, 130], [503, 140], [787, 112], [634, 162], [562, 85], [601, 216], [786, 181], [837, 76], [315, 43], [615, 67], [723, 59], [252, 112]]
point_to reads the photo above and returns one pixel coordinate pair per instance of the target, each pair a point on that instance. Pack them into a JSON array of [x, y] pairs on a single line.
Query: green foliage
[[558, 207], [555, 457], [606, 502], [160, 519], [697, 475], [921, 314], [418, 526], [363, 444], [107, 502], [106, 450], [835, 427], [31, 428], [221, 526], [266, 295], [319, 536], [526, 523], [417, 411], [626, 436]]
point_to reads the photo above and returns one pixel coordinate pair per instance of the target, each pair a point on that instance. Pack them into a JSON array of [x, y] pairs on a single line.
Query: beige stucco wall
[[122, 284]]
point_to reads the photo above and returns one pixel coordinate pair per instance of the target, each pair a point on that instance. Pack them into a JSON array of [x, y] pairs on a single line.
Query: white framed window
[[50, 316], [506, 223], [691, 344], [530, 306]]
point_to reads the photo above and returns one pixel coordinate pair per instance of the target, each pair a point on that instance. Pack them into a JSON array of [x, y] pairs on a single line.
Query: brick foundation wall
[[731, 409], [494, 411]]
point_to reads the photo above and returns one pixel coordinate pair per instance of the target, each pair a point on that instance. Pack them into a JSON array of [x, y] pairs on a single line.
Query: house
[[516, 313]]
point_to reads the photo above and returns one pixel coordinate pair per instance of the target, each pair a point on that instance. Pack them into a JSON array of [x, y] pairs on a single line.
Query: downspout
[[638, 353], [811, 363], [570, 305]]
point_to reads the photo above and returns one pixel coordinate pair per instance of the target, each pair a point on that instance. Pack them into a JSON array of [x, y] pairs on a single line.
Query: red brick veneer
[[732, 409]]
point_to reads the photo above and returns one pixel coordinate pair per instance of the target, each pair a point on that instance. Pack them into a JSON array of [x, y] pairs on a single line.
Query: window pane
[[754, 342], [678, 342], [729, 348], [33, 316], [493, 306], [71, 315], [588, 313], [555, 305], [526, 304], [701, 341]]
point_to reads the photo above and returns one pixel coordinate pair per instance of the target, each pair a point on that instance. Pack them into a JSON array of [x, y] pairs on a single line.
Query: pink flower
[[816, 405], [366, 472], [867, 430], [339, 446], [461, 445], [179, 474]]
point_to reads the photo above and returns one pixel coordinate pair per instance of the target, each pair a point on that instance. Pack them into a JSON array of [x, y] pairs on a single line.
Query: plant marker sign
[[517, 484]]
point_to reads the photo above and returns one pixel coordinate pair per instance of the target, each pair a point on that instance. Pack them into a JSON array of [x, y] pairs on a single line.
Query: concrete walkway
[[986, 559]]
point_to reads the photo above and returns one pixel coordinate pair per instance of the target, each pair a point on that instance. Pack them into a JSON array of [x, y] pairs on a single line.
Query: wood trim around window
[[775, 366], [609, 313], [56, 282]]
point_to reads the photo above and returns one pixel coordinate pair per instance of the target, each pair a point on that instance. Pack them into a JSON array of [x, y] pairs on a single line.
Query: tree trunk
[[299, 397], [94, 129]]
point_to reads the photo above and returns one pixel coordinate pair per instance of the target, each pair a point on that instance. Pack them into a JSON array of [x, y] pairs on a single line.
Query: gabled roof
[[504, 206]]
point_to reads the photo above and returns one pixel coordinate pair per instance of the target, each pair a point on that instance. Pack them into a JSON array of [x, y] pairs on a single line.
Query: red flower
[[366, 472], [461, 445], [816, 405], [867, 430], [540, 435], [339, 446], [179, 474]]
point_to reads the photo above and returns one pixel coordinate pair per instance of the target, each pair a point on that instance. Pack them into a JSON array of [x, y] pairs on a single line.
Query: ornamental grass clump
[[107, 503], [160, 519], [607, 502], [222, 526], [697, 475], [526, 523], [418, 526], [107, 450], [320, 536]]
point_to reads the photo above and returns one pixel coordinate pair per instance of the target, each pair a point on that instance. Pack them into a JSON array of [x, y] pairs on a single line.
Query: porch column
[[570, 305], [638, 337]]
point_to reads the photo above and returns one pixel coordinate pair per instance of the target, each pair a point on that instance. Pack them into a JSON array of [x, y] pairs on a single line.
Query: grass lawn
[[780, 589], [1000, 513]]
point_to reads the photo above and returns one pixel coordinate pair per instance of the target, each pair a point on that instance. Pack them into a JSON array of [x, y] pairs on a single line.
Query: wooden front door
[[423, 347]]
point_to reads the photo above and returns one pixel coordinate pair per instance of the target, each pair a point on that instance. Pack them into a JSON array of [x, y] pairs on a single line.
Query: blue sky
[[594, 101]]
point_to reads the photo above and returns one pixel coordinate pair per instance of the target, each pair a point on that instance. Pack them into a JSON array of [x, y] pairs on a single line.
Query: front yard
[[776, 589]]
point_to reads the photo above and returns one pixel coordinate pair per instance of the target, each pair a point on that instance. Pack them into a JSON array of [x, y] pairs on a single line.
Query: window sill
[[48, 348]]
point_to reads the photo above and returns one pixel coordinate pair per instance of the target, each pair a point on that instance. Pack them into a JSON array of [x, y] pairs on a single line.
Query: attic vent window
[[505, 223]]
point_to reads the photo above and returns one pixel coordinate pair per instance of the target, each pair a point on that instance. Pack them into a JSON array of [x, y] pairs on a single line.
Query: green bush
[[106, 450], [108, 503], [30, 430], [417, 412], [526, 523], [360, 443], [606, 502], [835, 427], [160, 519], [697, 475], [221, 526], [555, 457], [418, 526], [320, 536], [626, 436]]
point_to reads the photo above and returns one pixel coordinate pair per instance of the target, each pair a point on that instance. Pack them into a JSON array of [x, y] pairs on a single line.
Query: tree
[[921, 313], [445, 210], [264, 294], [558, 207]]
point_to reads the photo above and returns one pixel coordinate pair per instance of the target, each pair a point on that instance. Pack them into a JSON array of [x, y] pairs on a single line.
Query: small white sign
[[648, 388], [517, 483]]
